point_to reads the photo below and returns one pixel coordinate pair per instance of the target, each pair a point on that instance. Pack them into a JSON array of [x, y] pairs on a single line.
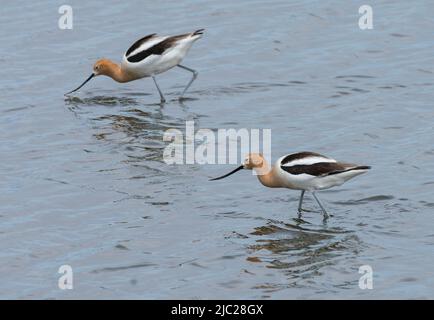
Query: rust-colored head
[[104, 67], [253, 161]]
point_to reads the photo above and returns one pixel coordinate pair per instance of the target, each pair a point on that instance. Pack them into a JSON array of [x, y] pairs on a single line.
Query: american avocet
[[148, 57], [305, 171]]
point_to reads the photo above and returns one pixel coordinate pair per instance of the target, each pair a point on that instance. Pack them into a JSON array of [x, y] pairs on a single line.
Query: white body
[[155, 64], [311, 182]]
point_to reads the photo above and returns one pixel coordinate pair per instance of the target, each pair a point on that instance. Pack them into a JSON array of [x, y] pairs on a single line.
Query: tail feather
[[348, 170], [198, 32], [361, 168]]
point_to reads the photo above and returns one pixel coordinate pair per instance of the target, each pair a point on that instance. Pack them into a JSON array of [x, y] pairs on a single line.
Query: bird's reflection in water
[[132, 128], [102, 100], [301, 250]]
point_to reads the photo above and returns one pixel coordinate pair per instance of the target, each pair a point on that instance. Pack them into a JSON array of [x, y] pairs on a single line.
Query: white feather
[[308, 161], [146, 45], [155, 64], [306, 181]]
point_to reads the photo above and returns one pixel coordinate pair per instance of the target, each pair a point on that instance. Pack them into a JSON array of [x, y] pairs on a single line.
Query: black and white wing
[[153, 45], [316, 165], [143, 48]]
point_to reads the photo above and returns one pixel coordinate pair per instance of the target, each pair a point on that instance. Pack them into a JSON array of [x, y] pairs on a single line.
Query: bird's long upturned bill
[[90, 77], [228, 174]]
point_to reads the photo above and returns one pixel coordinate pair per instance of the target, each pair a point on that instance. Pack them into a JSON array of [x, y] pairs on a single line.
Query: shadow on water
[[135, 129], [301, 250], [107, 101], [365, 200], [305, 250]]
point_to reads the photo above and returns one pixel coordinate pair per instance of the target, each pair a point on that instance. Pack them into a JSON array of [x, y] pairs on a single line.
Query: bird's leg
[[195, 73], [321, 206], [159, 91], [300, 202]]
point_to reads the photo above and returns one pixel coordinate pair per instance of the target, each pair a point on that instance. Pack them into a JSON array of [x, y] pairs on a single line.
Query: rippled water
[[83, 181]]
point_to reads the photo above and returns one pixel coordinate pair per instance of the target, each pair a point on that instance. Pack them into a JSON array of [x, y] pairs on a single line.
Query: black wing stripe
[[157, 49], [300, 155], [321, 169], [139, 42]]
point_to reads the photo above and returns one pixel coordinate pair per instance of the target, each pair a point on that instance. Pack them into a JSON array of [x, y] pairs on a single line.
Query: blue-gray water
[[83, 182]]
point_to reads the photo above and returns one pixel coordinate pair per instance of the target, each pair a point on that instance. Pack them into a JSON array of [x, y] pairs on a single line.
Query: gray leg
[[159, 91], [321, 206], [195, 73], [300, 202]]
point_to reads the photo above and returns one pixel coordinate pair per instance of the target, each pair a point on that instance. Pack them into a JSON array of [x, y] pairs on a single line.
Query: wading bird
[[148, 57], [305, 171]]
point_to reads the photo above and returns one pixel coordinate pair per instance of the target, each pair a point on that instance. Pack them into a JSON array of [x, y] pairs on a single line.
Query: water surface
[[84, 183]]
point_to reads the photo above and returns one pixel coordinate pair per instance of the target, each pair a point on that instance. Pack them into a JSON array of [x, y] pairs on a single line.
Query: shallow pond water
[[84, 183]]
